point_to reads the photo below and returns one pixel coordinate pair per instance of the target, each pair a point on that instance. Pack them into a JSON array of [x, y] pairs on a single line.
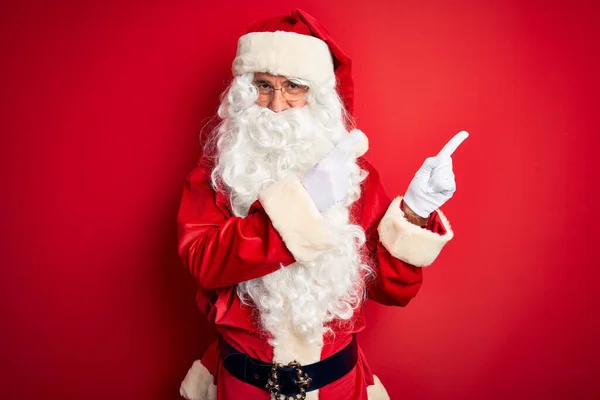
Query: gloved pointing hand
[[328, 182], [434, 182]]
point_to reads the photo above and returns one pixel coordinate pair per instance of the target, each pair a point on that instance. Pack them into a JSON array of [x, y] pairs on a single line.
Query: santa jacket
[[284, 226]]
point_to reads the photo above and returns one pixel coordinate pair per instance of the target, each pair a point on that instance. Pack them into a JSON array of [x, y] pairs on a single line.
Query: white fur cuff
[[377, 391], [284, 53], [296, 217], [408, 242], [198, 384]]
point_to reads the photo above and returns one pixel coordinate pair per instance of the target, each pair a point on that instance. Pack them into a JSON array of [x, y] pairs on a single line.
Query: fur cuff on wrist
[[408, 242], [377, 391], [198, 384], [297, 219]]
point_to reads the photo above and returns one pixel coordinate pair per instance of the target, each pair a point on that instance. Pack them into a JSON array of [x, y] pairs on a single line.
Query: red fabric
[[303, 23], [221, 250]]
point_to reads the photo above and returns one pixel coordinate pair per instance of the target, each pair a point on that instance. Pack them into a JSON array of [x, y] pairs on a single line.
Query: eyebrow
[[263, 81], [292, 80]]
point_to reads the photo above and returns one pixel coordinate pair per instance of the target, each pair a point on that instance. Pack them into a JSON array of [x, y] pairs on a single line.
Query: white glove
[[328, 182], [434, 183]]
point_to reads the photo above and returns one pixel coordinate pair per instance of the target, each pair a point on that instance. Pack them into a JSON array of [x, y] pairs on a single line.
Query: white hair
[[254, 147]]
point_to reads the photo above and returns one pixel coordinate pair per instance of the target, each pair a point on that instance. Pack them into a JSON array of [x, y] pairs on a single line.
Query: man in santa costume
[[287, 228]]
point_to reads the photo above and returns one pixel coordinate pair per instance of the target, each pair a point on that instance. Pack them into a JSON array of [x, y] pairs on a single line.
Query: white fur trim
[[284, 53], [377, 391], [198, 384], [408, 242], [297, 219]]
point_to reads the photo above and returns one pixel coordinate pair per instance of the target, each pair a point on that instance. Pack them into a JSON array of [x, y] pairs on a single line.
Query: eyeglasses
[[291, 91]]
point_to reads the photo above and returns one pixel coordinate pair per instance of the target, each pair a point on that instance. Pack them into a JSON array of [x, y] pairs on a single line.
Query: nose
[[278, 102]]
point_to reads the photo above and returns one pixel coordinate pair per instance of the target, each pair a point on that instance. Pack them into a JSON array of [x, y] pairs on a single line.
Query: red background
[[101, 105]]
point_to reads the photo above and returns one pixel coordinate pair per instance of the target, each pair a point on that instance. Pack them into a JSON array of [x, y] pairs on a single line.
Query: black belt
[[292, 379]]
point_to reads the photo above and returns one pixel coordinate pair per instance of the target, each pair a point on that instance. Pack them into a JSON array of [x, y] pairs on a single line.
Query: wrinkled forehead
[[278, 79]]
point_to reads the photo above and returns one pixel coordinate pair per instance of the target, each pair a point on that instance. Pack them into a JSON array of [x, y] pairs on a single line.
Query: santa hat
[[298, 46]]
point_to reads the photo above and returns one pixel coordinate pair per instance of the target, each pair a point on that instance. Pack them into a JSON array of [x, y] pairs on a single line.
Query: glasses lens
[[264, 90], [294, 91], [290, 90]]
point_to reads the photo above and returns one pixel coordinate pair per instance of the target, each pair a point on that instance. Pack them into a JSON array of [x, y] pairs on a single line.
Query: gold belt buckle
[[302, 382]]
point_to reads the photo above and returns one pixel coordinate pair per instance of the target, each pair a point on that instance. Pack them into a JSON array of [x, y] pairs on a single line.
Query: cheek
[[262, 103], [299, 103]]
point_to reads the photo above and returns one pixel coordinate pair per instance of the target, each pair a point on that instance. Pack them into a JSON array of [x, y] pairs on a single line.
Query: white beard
[[256, 147]]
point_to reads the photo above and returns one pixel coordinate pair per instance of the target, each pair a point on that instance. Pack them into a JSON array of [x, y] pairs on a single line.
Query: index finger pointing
[[453, 144]]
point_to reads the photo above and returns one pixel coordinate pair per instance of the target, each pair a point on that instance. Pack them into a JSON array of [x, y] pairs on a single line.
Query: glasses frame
[[283, 92]]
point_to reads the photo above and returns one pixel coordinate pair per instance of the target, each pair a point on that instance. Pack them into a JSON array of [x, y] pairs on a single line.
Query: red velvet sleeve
[[395, 282], [222, 250]]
